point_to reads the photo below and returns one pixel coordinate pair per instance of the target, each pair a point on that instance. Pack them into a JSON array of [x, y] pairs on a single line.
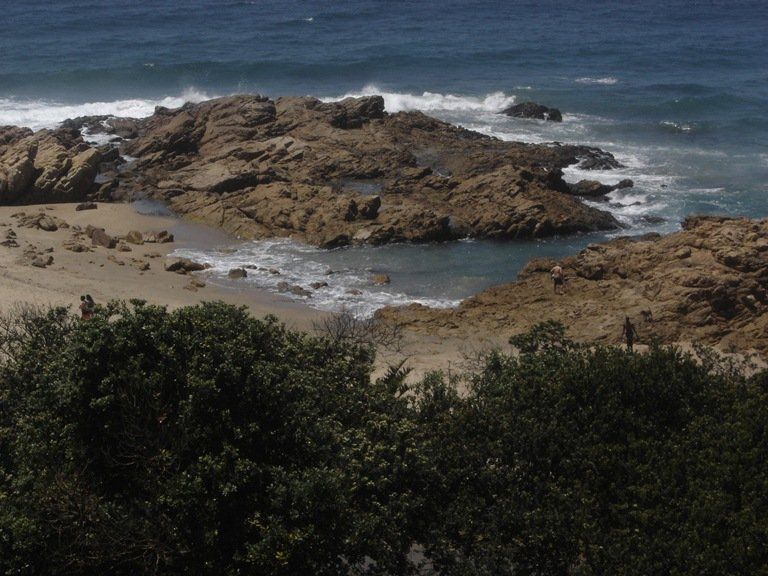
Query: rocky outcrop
[[707, 283], [45, 166], [304, 168], [594, 189], [533, 110]]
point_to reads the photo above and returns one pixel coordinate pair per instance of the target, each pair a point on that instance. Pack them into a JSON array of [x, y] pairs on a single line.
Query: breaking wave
[[38, 114]]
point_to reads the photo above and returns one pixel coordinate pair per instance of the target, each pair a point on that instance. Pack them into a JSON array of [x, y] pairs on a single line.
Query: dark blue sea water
[[677, 90]]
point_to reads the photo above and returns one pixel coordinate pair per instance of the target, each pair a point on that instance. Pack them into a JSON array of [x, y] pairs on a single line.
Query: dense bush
[[571, 460], [199, 441], [203, 441]]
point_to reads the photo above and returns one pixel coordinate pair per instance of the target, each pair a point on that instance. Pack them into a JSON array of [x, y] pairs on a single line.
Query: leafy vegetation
[[203, 441]]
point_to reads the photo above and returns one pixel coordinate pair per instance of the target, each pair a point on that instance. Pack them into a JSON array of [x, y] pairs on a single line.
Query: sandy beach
[[109, 274]]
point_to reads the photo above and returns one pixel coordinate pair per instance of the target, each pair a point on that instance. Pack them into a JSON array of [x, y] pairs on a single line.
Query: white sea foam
[[433, 101], [607, 80], [301, 265], [37, 114]]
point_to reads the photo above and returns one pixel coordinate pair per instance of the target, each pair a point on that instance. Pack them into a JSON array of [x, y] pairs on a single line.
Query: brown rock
[[237, 273], [707, 284], [100, 238], [42, 261], [380, 279], [183, 265], [258, 168], [134, 237]]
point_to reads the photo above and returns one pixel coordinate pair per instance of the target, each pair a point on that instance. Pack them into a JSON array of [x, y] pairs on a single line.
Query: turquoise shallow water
[[676, 90]]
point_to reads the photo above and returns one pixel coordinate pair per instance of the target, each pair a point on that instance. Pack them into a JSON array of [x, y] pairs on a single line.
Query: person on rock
[[629, 333], [558, 279]]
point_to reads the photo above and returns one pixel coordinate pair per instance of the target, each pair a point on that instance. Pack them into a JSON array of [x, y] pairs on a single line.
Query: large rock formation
[[707, 283], [347, 172], [46, 166]]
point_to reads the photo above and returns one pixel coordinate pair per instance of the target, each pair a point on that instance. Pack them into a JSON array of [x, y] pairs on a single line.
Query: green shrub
[[572, 460], [199, 441], [203, 441]]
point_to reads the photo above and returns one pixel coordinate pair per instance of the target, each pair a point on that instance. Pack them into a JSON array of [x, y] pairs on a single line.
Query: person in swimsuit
[[629, 333], [558, 280]]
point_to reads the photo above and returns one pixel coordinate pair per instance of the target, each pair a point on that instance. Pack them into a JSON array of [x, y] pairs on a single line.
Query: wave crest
[[606, 81], [39, 114], [433, 101]]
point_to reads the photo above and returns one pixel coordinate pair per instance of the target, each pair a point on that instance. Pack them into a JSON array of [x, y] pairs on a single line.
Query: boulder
[[86, 206], [183, 266], [42, 261], [100, 238], [380, 279], [158, 237], [134, 237], [533, 110], [237, 273], [299, 291]]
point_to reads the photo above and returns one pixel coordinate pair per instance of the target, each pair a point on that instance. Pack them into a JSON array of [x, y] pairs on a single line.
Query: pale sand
[[73, 274]]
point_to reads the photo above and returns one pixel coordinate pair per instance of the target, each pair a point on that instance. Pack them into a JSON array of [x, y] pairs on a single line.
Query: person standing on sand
[[87, 307], [86, 311], [629, 333], [558, 280]]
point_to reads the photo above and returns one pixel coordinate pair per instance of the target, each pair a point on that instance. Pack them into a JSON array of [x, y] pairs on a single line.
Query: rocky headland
[[340, 173], [707, 283]]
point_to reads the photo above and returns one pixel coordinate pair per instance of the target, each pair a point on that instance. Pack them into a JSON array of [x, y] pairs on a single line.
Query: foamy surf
[[270, 263], [433, 101], [605, 81], [39, 114]]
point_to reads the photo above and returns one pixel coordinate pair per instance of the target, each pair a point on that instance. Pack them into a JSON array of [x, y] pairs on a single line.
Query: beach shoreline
[[109, 274]]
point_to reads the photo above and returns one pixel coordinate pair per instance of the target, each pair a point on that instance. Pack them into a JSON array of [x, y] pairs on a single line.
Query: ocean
[[676, 90]]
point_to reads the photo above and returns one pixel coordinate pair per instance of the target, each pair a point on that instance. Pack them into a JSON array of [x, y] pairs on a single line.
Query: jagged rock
[[41, 221], [259, 168], [75, 246], [299, 291], [158, 237], [183, 265], [134, 237], [237, 273], [42, 261], [707, 283], [46, 166], [593, 188], [123, 247], [100, 238], [533, 110]]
